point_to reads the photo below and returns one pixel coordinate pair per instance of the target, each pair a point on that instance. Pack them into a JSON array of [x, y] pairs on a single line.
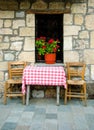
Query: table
[[43, 75]]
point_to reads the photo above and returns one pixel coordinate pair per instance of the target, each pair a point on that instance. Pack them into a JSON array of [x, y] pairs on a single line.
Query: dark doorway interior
[[50, 26]]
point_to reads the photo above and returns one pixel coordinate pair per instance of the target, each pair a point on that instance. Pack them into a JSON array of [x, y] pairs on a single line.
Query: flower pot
[[50, 58]]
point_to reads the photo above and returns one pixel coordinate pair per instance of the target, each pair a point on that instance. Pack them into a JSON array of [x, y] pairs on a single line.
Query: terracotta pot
[[50, 58]]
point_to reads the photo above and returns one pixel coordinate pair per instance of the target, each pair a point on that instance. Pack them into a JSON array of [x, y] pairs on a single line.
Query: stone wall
[[17, 37], [79, 39]]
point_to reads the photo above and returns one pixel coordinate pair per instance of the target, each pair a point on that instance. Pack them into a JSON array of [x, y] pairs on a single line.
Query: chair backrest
[[15, 69], [76, 70]]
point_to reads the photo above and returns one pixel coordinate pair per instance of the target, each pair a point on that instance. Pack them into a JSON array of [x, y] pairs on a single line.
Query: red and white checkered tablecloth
[[35, 75]]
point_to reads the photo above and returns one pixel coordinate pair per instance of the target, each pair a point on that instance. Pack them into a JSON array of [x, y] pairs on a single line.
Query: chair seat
[[75, 82], [14, 81], [76, 85], [13, 84]]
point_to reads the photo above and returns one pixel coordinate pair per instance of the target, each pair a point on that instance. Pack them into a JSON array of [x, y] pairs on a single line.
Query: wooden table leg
[[58, 94], [27, 95]]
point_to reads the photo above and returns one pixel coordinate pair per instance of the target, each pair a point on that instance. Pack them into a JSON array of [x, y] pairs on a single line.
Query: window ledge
[[43, 64]]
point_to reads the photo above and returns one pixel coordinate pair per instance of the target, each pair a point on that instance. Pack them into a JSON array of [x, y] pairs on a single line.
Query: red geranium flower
[[44, 46], [51, 41]]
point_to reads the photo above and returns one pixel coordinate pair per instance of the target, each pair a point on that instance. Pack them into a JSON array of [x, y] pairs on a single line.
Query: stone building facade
[[17, 36]]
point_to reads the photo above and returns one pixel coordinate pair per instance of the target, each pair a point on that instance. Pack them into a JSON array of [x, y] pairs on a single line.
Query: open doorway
[[50, 26]]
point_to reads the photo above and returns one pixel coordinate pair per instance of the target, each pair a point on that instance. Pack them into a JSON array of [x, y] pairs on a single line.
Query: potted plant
[[47, 48]]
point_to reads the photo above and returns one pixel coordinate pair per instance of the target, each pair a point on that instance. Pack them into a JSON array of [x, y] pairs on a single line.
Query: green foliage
[[46, 47]]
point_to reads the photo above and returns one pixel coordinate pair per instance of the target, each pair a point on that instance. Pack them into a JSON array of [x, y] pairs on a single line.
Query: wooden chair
[[76, 85], [13, 84]]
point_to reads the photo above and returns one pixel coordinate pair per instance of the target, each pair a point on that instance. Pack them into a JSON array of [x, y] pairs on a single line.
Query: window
[[50, 26]]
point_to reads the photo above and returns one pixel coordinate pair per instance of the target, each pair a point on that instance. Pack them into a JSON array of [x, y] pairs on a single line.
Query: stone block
[[92, 72], [6, 39], [71, 30], [20, 14], [16, 45], [7, 14], [1, 76], [1, 56], [91, 3], [56, 5], [1, 88], [39, 5], [30, 20], [89, 56], [80, 44], [6, 76], [79, 8], [90, 10], [68, 19], [1, 38], [89, 24], [9, 57], [15, 32], [49, 93], [3, 66], [18, 23], [7, 23], [24, 5], [78, 19], [37, 93], [12, 5], [92, 39], [16, 38], [84, 35], [87, 73], [1, 23], [25, 31], [4, 46], [6, 31], [29, 44], [71, 56], [67, 43], [27, 56], [90, 89], [8, 5]]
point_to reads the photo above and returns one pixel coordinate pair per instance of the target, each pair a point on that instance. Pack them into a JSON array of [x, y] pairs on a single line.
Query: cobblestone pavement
[[43, 114]]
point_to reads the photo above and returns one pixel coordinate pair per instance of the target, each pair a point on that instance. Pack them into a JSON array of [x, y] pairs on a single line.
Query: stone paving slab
[[44, 114]]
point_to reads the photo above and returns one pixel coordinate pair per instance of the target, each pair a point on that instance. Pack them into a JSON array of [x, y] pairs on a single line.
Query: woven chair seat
[[12, 88]]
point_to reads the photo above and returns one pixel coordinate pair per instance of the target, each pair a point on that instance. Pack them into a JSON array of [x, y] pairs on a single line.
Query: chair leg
[[85, 98], [23, 99], [82, 92], [65, 100], [69, 91], [5, 93]]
